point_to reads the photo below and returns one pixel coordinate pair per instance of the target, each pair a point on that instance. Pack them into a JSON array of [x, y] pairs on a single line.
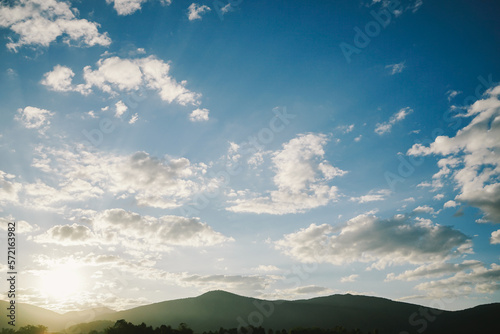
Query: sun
[[61, 282]]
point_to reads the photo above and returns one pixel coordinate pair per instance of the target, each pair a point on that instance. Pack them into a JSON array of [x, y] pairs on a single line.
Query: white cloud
[[133, 119], [346, 128], [350, 278], [60, 79], [199, 115], [299, 292], [120, 108], [131, 230], [495, 237], [434, 270], [41, 22], [266, 268], [471, 156], [396, 68], [358, 138], [385, 127], [21, 225], [438, 197], [195, 11], [114, 75], [450, 204], [372, 196], [372, 240], [67, 235], [34, 118], [9, 188], [81, 175], [301, 176], [452, 93], [425, 209], [127, 7], [479, 279]]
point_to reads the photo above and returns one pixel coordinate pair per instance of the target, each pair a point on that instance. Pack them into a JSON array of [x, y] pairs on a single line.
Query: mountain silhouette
[[216, 309]]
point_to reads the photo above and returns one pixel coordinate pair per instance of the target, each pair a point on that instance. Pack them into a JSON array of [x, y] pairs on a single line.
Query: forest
[[124, 327]]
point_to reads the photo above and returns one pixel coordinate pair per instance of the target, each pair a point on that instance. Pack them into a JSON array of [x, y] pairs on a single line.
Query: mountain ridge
[[215, 309]]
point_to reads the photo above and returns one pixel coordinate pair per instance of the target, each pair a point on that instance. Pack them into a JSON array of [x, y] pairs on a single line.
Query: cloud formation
[[196, 10], [131, 230], [83, 174], [114, 75], [34, 118], [127, 7], [385, 127], [471, 158], [301, 176], [372, 240], [41, 22]]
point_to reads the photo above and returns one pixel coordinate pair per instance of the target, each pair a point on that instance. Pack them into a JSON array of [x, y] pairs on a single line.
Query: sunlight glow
[[61, 282]]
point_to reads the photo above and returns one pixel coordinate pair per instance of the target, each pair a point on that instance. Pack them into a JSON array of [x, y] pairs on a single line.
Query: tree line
[[124, 327]]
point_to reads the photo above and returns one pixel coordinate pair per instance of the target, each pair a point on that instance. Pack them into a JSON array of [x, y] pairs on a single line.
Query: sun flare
[[61, 282]]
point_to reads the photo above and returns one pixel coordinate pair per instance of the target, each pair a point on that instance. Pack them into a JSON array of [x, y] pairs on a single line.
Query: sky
[[158, 149]]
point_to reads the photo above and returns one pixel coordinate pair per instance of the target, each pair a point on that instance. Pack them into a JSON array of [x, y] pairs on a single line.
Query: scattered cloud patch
[[470, 159], [350, 278], [385, 127], [372, 196], [41, 22], [34, 118], [114, 75], [495, 237], [199, 115], [369, 239], [301, 176], [396, 68], [196, 10]]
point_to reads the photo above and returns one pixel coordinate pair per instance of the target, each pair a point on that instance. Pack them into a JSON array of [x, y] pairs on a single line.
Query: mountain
[[216, 309]]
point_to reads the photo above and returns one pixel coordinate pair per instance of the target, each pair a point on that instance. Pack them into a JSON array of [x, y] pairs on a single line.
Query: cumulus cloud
[[127, 7], [161, 183], [41, 22], [301, 176], [131, 230], [115, 74], [450, 204], [67, 235], [60, 80], [425, 209], [396, 68], [385, 127], [34, 118], [372, 196], [434, 270], [9, 188], [372, 240], [495, 237], [196, 10], [120, 109], [478, 278], [471, 156], [199, 115], [350, 278]]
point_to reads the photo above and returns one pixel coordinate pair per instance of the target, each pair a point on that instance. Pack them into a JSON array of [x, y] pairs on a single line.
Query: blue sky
[[156, 149]]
